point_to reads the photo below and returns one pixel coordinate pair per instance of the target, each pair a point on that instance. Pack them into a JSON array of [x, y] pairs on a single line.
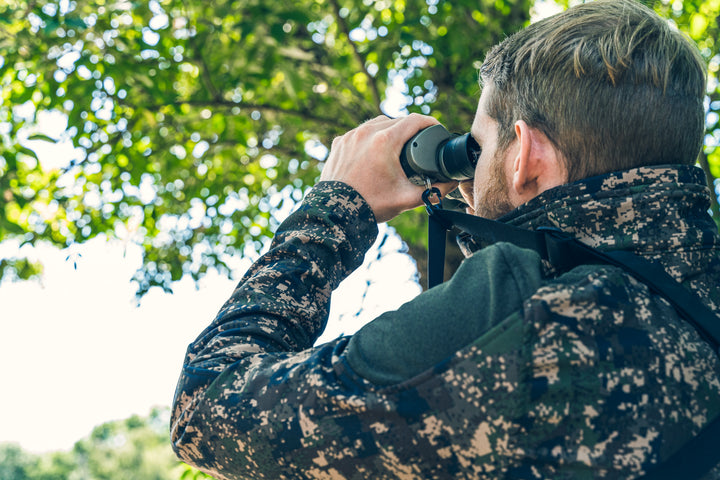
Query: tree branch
[[303, 114], [205, 74], [328, 74], [361, 60]]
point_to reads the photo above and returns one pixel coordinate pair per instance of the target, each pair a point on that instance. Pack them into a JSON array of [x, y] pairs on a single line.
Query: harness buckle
[[429, 206]]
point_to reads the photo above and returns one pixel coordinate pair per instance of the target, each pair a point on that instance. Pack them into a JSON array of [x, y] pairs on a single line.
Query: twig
[[256, 106], [356, 52]]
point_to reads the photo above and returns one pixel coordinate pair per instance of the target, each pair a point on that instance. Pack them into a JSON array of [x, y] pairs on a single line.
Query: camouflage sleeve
[[281, 304]]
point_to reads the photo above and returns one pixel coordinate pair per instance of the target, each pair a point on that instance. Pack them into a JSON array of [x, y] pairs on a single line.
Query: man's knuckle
[[383, 137]]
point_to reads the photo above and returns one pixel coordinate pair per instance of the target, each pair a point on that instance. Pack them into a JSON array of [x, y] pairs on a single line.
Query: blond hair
[[609, 82]]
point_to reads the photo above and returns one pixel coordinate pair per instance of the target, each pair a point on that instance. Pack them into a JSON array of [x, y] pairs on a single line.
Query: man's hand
[[368, 159]]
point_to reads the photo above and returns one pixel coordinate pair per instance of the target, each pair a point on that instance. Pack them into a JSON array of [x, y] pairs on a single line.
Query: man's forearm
[[282, 302], [283, 299]]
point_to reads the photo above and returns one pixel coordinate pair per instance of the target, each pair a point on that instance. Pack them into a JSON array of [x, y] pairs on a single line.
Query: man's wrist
[[342, 198]]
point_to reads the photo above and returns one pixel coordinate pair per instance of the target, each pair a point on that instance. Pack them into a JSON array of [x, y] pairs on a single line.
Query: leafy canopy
[[196, 126]]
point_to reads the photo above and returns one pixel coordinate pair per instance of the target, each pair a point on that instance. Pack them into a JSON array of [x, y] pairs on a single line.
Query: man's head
[[610, 84]]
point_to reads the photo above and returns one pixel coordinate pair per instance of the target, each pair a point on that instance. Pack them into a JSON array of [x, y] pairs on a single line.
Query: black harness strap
[[564, 252], [436, 251]]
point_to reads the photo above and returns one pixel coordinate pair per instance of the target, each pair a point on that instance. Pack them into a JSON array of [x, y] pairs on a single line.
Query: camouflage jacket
[[580, 375]]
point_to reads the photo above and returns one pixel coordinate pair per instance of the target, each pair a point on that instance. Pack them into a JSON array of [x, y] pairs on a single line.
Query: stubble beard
[[495, 200]]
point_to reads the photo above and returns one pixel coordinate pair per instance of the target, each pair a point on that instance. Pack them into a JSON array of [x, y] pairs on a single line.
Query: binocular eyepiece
[[440, 156]]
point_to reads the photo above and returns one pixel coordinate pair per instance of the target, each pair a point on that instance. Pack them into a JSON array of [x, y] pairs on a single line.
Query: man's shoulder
[[600, 366]]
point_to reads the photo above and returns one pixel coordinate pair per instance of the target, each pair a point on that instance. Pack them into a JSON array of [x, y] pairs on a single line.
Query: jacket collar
[[646, 209]]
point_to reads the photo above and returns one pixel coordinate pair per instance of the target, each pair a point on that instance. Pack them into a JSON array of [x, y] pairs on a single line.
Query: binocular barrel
[[440, 156]]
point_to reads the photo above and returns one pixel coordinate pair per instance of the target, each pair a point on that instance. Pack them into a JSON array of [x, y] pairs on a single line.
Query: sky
[[76, 350]]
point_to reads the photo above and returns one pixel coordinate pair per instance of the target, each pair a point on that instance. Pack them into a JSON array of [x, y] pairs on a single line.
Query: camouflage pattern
[[592, 376]]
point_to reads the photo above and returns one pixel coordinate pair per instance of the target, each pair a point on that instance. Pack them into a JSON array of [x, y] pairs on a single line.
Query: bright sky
[[75, 351]]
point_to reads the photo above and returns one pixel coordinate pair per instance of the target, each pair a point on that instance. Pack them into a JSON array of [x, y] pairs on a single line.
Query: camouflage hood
[[604, 211]]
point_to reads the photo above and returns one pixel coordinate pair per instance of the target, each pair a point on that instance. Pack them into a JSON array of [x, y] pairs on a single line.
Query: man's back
[[589, 375]]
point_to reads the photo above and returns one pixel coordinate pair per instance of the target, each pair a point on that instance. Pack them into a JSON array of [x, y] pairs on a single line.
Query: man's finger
[[445, 187], [380, 119], [407, 127]]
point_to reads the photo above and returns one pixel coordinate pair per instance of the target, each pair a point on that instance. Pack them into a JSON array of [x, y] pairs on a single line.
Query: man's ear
[[537, 165]]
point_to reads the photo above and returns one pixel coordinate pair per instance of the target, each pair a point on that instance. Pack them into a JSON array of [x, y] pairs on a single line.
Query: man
[[589, 122]]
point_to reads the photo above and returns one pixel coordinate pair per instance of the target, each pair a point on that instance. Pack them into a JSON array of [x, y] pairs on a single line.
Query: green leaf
[[40, 136], [28, 152]]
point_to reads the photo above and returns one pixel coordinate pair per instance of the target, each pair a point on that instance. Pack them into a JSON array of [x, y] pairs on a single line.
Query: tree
[[133, 448], [137, 447], [198, 125], [14, 462]]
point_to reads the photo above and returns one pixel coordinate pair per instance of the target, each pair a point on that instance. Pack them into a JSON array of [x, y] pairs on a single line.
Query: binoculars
[[437, 155]]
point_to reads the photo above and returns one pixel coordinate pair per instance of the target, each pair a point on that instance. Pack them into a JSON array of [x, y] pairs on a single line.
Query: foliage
[[134, 448], [700, 20], [191, 473], [14, 462], [196, 126]]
